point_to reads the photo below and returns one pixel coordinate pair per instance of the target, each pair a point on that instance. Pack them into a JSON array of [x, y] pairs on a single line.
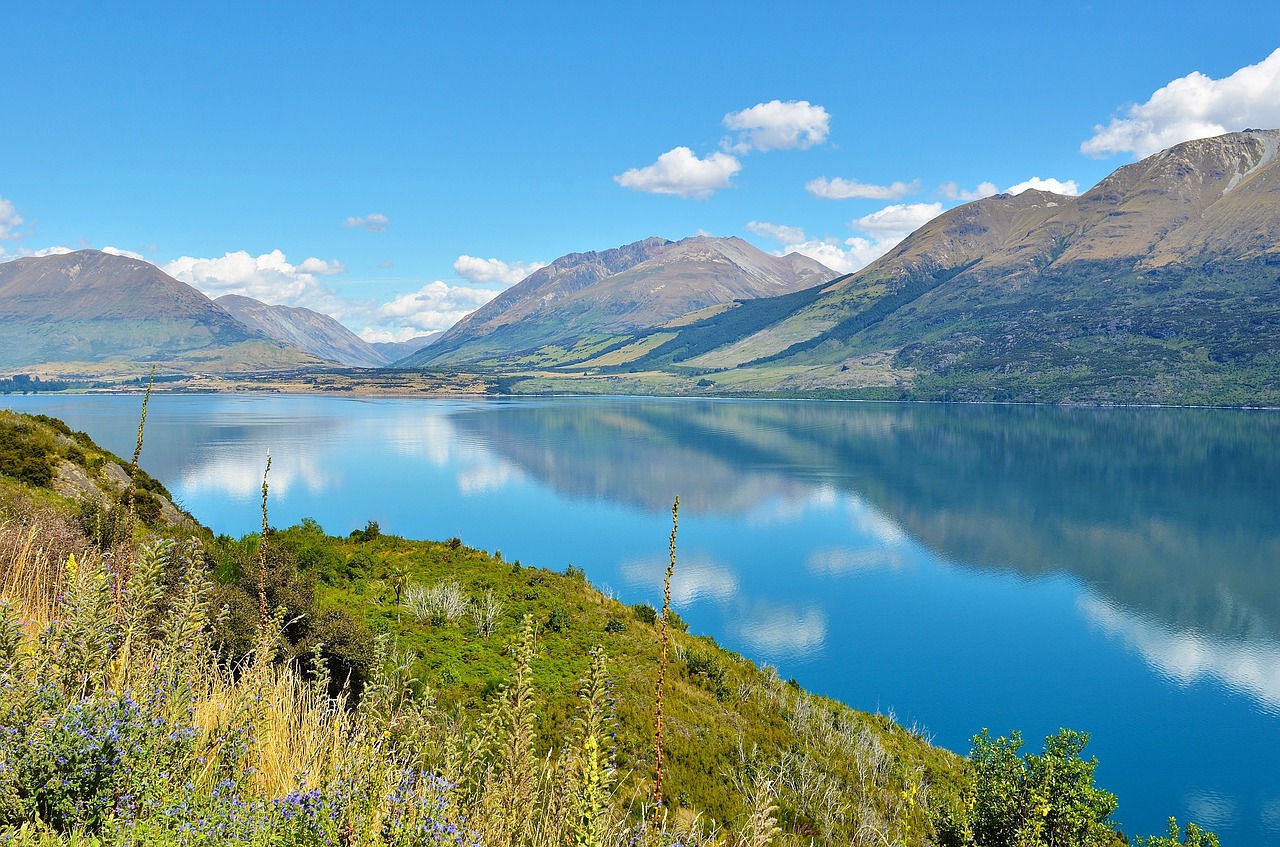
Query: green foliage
[[1032, 800], [28, 453], [645, 613], [1195, 837], [371, 531]]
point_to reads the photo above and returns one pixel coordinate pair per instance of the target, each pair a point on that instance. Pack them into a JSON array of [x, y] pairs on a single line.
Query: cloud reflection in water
[[1251, 667]]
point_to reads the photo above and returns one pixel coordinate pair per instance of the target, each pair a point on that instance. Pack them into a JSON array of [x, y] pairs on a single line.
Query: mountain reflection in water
[[1004, 566]]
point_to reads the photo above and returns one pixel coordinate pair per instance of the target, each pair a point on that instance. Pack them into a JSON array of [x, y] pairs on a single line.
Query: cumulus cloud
[[844, 189], [269, 277], [894, 223], [23, 253], [678, 171], [779, 232], [1068, 187], [796, 124], [885, 229], [433, 307], [1194, 106], [10, 220], [320, 267], [116, 251], [374, 223], [844, 256], [953, 191], [494, 270]]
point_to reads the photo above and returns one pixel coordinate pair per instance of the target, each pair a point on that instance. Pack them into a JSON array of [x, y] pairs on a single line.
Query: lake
[[957, 566]]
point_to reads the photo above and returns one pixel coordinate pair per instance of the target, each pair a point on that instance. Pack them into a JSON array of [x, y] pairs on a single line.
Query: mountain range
[[96, 308], [1158, 285], [582, 299]]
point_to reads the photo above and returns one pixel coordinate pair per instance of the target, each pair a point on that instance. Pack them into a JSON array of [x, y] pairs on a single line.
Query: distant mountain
[[1161, 284], [95, 307], [317, 334], [394, 351], [582, 301]]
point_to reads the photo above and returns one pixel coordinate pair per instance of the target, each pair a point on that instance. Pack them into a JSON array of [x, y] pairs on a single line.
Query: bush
[[27, 453], [615, 624], [1045, 799], [558, 621], [645, 613], [371, 531], [347, 647]]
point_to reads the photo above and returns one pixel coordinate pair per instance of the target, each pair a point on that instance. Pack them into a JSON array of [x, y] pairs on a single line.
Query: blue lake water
[[960, 567]]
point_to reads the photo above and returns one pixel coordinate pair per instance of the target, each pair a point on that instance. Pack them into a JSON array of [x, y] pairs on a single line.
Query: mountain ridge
[[308, 330], [95, 307], [617, 292]]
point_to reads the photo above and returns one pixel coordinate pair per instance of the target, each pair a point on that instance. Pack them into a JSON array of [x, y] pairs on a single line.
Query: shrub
[[645, 613], [558, 621], [1032, 799]]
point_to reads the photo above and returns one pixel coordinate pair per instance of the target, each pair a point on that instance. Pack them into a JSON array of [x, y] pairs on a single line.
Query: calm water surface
[[961, 567]]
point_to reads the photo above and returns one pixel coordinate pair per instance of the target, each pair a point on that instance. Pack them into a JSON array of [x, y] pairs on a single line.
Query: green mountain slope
[[91, 307], [1158, 285]]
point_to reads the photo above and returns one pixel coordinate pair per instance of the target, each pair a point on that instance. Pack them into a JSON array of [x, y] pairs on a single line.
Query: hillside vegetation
[[159, 685]]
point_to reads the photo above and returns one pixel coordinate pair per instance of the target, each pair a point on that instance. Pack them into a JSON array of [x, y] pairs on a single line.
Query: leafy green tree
[[1046, 800]]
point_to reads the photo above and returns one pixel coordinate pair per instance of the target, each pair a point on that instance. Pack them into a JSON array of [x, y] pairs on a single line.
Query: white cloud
[[272, 279], [374, 223], [843, 189], [678, 171], [494, 270], [1056, 186], [779, 126], [894, 223], [269, 277], [953, 191], [116, 251], [886, 227], [779, 232], [10, 220], [842, 256], [320, 267], [1194, 106], [433, 307]]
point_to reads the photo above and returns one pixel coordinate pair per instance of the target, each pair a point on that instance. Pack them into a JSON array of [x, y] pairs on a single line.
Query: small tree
[[1031, 801]]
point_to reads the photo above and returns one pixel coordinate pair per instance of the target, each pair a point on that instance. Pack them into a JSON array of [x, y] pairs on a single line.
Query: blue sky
[[395, 164]]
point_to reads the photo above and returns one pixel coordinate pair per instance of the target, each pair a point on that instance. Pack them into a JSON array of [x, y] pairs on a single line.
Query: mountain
[[1159, 285], [582, 302], [394, 351], [317, 334], [92, 307]]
